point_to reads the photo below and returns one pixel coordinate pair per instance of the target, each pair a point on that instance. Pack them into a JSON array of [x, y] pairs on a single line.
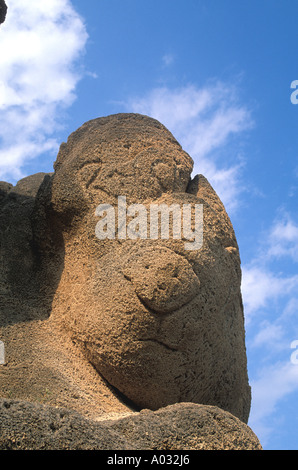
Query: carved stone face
[[139, 160], [160, 323]]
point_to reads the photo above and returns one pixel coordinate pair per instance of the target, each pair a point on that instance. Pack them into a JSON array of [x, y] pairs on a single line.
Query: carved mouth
[[160, 312]]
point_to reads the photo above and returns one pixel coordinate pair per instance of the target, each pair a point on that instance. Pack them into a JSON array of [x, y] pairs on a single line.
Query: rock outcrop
[[3, 11], [184, 426], [120, 324]]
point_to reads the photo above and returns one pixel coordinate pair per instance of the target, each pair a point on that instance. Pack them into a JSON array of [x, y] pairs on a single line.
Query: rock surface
[[118, 325], [184, 426], [18, 291], [3, 11]]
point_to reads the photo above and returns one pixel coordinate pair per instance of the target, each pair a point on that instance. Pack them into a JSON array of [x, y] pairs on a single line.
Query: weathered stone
[[18, 290], [114, 326], [159, 323], [184, 426], [4, 189], [3, 11]]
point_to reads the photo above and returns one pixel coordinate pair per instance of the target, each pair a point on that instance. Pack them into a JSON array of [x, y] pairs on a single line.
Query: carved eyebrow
[[90, 162]]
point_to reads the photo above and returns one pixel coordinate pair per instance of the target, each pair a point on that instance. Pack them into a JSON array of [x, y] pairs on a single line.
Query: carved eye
[[89, 171]]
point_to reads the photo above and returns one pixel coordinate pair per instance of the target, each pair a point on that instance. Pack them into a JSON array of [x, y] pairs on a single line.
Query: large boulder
[[184, 426], [3, 11], [18, 289], [126, 340], [160, 323]]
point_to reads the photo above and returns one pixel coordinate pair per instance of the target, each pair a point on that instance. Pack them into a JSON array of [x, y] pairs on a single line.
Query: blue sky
[[218, 74]]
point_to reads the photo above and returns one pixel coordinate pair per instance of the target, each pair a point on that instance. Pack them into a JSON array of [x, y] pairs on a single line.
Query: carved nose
[[163, 280]]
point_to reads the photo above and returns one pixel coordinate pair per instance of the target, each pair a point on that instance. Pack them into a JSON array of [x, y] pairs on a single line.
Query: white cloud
[[283, 239], [261, 286], [203, 120], [269, 335], [40, 43], [168, 59], [270, 306], [273, 384], [291, 308]]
